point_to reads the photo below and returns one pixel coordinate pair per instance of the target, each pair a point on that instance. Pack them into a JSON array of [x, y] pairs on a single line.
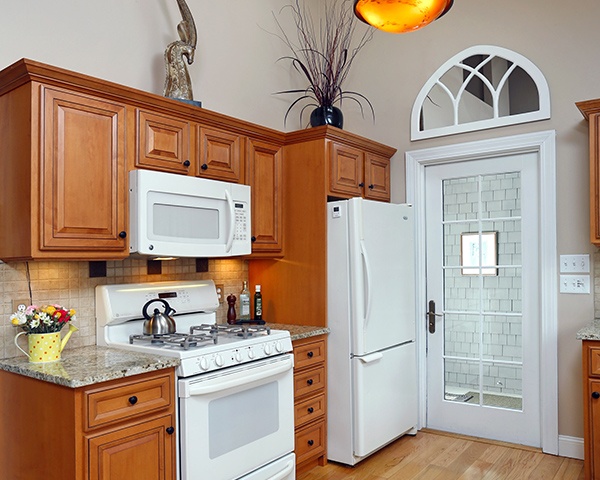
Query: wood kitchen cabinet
[[295, 288], [356, 173], [64, 184], [264, 174], [162, 142], [220, 154], [113, 430], [591, 111], [591, 408], [310, 402]]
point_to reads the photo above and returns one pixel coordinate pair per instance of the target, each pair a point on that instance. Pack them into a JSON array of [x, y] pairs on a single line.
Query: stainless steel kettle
[[160, 322]]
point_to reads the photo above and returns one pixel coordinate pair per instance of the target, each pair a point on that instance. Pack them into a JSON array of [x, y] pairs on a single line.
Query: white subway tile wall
[[69, 284], [499, 296]]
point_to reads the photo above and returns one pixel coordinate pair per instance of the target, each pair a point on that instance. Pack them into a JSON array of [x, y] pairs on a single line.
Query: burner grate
[[244, 331], [183, 340]]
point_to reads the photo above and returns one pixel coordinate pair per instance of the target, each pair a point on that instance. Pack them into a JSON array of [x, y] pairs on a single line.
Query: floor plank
[[432, 455]]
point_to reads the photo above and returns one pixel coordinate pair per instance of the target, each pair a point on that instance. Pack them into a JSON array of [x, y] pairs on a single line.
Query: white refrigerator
[[372, 373]]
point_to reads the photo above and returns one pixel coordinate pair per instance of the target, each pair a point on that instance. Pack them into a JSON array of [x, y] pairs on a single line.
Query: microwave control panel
[[241, 222]]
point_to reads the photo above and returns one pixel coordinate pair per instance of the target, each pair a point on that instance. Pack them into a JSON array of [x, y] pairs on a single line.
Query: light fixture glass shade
[[400, 16]]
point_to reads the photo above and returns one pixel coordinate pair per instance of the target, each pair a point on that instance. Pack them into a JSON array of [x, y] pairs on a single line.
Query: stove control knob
[[268, 349], [279, 347], [204, 363], [238, 357], [219, 360], [251, 353]]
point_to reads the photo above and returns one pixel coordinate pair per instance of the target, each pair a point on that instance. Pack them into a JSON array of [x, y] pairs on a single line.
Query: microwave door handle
[[231, 221]]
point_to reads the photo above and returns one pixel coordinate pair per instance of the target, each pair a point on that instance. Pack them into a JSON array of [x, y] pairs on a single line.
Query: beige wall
[[236, 73]]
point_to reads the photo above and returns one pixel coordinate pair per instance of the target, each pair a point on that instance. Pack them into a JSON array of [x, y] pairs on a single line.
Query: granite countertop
[[298, 332], [591, 332], [83, 366]]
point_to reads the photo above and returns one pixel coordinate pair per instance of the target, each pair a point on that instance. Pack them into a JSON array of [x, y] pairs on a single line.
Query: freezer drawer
[[385, 394]]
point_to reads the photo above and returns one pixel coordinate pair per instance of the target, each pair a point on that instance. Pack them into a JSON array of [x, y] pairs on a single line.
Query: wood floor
[[436, 455]]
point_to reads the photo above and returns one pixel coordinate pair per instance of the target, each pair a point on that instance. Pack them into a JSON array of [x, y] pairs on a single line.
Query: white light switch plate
[[575, 263], [574, 284]]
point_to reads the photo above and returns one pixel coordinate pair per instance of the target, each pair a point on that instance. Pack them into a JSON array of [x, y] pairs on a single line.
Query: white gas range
[[224, 369]]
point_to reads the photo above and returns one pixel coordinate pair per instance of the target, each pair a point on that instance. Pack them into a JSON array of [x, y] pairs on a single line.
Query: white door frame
[[543, 143]]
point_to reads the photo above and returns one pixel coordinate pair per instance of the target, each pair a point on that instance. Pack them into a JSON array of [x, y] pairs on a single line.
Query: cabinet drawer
[[308, 410], [310, 442], [309, 354], [114, 404], [594, 361], [310, 381]]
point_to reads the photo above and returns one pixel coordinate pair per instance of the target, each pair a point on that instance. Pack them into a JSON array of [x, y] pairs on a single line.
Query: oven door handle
[[237, 379], [283, 473]]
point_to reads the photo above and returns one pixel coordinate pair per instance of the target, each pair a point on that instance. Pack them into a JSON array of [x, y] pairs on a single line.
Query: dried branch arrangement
[[324, 52]]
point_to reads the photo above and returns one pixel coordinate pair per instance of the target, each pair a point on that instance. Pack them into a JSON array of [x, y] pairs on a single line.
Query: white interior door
[[483, 272]]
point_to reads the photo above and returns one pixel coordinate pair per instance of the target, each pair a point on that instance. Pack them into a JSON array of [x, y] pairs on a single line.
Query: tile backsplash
[[69, 284]]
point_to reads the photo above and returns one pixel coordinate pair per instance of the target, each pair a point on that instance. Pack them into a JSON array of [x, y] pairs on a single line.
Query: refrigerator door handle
[[373, 357], [367, 275]]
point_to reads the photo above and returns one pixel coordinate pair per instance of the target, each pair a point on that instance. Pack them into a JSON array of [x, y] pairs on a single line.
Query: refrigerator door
[[382, 274], [385, 396]]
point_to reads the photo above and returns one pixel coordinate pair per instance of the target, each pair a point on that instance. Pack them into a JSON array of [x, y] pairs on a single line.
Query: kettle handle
[[168, 308]]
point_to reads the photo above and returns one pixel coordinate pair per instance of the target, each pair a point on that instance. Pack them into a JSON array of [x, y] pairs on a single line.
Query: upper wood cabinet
[[356, 173], [264, 174], [591, 111], [162, 142], [220, 155], [64, 185]]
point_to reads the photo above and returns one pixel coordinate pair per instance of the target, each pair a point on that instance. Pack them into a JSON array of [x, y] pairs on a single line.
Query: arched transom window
[[481, 87]]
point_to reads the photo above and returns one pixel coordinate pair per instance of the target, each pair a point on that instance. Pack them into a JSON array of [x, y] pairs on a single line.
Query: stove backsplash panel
[[69, 284]]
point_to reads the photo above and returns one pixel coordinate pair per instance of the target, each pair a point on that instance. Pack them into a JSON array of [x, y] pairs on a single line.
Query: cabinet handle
[[311, 443], [311, 409], [170, 430], [186, 163], [310, 354], [595, 395], [253, 238], [204, 166], [123, 234], [371, 187], [361, 184], [133, 400], [310, 381]]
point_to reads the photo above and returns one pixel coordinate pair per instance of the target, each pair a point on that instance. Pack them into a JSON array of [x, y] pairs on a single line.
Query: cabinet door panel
[[140, 452], [220, 155], [377, 177], [163, 143], [83, 173], [346, 170], [265, 179]]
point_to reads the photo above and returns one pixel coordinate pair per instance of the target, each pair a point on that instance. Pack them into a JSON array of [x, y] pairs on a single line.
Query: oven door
[[235, 421]]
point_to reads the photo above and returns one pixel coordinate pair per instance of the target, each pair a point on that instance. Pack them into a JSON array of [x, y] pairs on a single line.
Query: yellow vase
[[44, 347]]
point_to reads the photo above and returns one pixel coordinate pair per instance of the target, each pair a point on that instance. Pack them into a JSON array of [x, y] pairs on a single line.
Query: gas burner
[[243, 331], [182, 340]]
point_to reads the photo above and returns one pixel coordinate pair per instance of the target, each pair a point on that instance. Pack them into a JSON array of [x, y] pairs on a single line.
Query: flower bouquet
[[45, 319]]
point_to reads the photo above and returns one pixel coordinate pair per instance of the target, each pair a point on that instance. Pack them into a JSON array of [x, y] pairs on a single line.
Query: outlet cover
[[220, 292], [16, 303]]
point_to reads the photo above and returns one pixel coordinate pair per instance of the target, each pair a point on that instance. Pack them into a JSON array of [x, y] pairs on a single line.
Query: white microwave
[[177, 216]]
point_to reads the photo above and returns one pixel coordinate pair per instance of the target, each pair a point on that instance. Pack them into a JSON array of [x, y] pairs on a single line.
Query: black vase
[[327, 116]]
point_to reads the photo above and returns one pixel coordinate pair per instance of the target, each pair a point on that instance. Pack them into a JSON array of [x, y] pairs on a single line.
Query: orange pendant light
[[400, 16]]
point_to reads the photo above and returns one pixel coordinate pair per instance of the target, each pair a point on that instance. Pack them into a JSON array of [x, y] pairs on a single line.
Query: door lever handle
[[431, 316]]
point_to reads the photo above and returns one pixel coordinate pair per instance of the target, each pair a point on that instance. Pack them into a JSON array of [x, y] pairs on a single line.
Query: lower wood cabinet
[[310, 402], [591, 408], [121, 429]]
